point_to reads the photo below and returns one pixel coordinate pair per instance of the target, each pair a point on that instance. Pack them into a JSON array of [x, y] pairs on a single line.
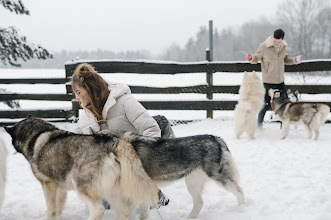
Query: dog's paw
[[106, 204], [163, 200]]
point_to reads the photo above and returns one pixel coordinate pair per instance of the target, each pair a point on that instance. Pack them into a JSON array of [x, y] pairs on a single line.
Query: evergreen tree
[[14, 47]]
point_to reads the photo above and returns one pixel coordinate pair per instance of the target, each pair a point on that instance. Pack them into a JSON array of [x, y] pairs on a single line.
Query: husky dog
[[96, 166], [3, 158], [164, 124], [294, 96], [197, 158], [251, 101], [311, 115]]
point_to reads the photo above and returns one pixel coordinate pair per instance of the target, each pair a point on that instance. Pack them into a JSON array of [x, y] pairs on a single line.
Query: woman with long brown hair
[[109, 105]]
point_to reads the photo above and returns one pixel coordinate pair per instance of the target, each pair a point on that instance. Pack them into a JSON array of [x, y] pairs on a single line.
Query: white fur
[[3, 159], [251, 100], [318, 121]]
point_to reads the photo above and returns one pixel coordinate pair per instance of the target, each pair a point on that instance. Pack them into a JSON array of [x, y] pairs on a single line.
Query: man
[[273, 55]]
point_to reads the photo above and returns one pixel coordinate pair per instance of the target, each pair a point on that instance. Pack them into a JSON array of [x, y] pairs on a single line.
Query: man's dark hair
[[279, 34]]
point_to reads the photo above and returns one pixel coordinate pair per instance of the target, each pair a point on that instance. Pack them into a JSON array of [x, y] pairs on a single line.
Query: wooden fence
[[145, 67]]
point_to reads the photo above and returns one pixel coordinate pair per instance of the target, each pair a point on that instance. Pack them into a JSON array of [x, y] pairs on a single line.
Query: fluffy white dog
[[3, 156], [251, 101]]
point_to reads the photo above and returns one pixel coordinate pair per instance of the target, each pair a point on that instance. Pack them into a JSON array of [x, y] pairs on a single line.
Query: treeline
[[307, 26]]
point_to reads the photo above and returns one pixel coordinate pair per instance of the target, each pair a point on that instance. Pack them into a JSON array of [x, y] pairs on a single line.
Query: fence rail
[[144, 67], [198, 67], [35, 81]]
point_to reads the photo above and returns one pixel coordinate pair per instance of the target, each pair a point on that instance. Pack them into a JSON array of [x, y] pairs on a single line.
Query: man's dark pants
[[267, 99]]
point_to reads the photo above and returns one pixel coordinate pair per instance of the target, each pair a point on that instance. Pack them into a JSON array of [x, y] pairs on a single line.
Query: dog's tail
[[134, 181], [228, 162], [320, 116], [164, 124]]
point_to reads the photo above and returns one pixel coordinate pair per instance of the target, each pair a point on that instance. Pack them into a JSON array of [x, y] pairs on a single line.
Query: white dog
[[251, 101], [3, 158]]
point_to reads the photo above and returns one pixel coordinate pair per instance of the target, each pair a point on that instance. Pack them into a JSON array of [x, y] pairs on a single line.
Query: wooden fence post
[[74, 103], [75, 107], [209, 75], [209, 57]]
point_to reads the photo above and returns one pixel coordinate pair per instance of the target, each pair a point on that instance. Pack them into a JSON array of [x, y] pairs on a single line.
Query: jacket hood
[[116, 90], [269, 42]]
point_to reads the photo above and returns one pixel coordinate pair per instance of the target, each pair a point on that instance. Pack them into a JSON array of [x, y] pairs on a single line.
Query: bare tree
[[323, 33], [300, 20], [251, 34]]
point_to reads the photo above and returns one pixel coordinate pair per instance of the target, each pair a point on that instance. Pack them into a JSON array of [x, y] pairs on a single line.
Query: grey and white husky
[[311, 115], [96, 166], [197, 158]]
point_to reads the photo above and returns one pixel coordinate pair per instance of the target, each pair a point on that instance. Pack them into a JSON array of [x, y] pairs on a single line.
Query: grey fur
[[196, 158], [162, 121], [90, 164], [164, 124]]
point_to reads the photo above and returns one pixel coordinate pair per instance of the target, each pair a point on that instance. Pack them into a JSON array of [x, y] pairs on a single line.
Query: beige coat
[[121, 112], [272, 62]]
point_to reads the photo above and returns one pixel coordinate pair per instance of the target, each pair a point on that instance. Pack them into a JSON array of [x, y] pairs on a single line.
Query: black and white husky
[[311, 115], [195, 158]]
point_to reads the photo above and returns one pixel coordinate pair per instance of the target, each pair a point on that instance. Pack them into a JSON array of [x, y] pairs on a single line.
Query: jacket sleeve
[[289, 60], [258, 55], [140, 118]]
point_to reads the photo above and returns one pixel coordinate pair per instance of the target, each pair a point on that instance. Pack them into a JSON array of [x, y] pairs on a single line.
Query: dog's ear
[[288, 91], [8, 129], [277, 93], [271, 93], [296, 92]]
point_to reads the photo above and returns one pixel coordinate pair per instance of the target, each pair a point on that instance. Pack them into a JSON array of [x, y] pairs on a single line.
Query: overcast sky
[[121, 25]]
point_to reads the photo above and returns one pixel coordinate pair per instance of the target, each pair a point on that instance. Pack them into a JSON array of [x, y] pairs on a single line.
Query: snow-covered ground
[[282, 179]]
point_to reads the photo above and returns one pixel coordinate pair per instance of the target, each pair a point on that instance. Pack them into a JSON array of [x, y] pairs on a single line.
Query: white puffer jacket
[[121, 112]]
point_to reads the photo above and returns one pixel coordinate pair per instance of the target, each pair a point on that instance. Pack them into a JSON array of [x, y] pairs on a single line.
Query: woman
[[109, 104]]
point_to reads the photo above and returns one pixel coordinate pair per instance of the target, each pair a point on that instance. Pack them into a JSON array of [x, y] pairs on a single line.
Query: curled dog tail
[[320, 116], [134, 181], [324, 110]]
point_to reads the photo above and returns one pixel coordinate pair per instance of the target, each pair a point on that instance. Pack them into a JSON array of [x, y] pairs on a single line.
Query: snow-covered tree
[[13, 47]]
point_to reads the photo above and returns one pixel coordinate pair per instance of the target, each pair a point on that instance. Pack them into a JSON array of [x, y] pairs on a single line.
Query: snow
[[282, 179]]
